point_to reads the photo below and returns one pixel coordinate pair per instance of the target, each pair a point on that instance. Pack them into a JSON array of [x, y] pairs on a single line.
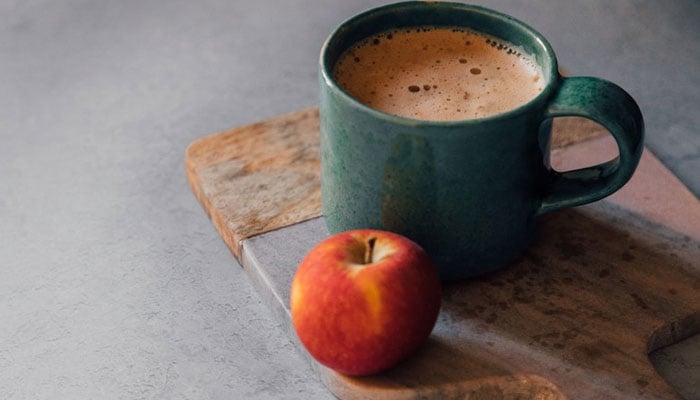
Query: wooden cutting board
[[576, 317]]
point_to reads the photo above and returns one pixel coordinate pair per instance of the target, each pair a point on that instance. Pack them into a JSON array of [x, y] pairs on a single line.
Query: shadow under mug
[[468, 191]]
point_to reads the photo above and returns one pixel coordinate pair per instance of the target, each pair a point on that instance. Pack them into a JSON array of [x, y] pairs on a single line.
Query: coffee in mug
[[439, 73]]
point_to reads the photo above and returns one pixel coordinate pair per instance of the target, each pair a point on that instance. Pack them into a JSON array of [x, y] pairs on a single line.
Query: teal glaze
[[467, 191]]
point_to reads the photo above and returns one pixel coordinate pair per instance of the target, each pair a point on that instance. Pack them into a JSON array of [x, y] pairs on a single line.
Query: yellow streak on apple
[[297, 296], [373, 297], [372, 255]]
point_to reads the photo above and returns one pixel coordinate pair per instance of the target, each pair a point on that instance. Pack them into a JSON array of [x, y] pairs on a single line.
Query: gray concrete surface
[[113, 283]]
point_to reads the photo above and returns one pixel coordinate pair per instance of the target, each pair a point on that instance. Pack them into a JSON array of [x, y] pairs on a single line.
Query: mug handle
[[609, 105]]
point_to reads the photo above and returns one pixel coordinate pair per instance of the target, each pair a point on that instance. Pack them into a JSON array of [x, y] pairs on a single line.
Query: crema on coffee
[[438, 73]]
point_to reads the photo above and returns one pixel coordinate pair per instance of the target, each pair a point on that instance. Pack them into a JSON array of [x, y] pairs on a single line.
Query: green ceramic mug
[[468, 191]]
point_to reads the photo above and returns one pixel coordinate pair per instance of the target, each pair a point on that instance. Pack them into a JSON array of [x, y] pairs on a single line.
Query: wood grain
[[258, 178], [574, 318]]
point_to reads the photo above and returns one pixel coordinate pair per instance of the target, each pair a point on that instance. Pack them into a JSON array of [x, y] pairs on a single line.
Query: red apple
[[363, 300]]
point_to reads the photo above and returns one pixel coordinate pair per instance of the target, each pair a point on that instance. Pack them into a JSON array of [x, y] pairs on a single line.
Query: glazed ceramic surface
[[468, 191]]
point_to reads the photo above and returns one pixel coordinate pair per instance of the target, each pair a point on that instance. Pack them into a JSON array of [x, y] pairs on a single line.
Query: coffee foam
[[436, 73]]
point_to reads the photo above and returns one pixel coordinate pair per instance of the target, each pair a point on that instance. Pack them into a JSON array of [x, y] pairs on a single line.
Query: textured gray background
[[113, 283]]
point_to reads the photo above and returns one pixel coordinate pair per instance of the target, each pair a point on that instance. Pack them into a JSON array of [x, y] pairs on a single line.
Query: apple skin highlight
[[363, 300]]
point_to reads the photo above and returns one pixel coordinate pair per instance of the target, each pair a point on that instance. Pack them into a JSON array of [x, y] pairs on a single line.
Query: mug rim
[[551, 75]]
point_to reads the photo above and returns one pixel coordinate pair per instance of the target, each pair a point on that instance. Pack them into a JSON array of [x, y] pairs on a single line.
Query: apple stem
[[369, 249]]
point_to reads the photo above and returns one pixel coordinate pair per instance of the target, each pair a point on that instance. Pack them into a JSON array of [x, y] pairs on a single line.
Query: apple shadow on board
[[599, 289]]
